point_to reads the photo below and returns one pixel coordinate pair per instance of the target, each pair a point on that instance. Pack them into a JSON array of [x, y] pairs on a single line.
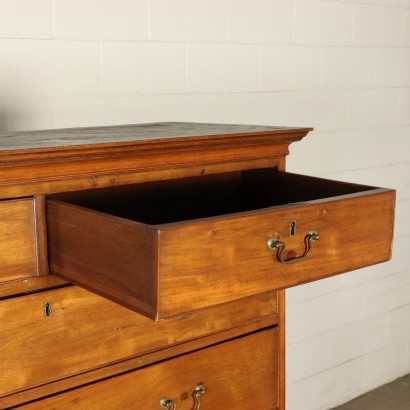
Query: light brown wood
[[17, 239], [238, 374], [107, 179], [241, 265], [281, 297], [60, 160], [30, 284], [129, 278], [85, 332], [76, 380], [41, 235], [166, 269], [190, 246]]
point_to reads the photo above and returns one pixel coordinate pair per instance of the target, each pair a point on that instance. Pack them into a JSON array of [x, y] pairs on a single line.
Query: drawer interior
[[191, 198]]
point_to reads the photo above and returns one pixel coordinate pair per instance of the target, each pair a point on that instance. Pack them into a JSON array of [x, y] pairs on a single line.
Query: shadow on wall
[[24, 99], [3, 121], [8, 117], [9, 113], [21, 113]]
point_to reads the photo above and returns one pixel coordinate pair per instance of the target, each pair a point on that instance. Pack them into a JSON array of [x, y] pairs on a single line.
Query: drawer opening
[[162, 202]]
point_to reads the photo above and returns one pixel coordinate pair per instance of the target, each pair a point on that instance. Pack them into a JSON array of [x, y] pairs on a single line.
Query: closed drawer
[[54, 334], [239, 374], [167, 248], [17, 239]]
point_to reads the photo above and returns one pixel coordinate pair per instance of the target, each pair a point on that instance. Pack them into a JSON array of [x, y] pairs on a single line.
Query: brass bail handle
[[166, 403], [198, 393], [275, 244]]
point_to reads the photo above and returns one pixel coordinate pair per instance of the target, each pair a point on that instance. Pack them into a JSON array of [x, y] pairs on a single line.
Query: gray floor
[[392, 396]]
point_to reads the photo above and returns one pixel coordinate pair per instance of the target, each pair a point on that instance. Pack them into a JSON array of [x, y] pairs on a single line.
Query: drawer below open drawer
[[171, 247], [238, 374], [57, 335]]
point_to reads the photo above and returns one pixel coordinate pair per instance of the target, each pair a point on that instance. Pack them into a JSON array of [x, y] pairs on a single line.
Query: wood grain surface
[[18, 257], [187, 263], [198, 265], [40, 162], [220, 260], [86, 332], [110, 256], [239, 374]]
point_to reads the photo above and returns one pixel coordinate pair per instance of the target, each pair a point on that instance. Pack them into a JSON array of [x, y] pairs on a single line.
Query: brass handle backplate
[[166, 403], [274, 243]]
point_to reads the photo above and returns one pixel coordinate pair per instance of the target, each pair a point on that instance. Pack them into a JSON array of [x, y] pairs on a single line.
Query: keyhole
[[47, 309], [293, 228]]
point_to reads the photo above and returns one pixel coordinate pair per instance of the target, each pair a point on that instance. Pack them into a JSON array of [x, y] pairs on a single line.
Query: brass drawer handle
[[198, 393], [166, 403], [274, 243]]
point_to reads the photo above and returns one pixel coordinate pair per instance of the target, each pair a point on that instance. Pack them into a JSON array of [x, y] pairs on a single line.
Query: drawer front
[[213, 261], [241, 374], [17, 239], [78, 331]]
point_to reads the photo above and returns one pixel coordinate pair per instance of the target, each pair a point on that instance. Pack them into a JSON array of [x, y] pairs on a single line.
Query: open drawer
[[170, 247]]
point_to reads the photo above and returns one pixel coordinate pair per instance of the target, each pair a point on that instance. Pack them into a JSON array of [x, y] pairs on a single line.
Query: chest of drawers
[[145, 266]]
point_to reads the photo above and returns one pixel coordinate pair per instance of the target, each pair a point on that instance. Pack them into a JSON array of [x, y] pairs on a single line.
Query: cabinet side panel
[[281, 348]]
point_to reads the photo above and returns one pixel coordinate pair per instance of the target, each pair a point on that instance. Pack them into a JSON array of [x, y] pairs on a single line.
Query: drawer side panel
[[111, 256]]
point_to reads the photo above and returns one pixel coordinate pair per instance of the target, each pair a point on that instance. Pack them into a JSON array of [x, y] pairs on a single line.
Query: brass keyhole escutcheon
[[47, 309], [293, 228]]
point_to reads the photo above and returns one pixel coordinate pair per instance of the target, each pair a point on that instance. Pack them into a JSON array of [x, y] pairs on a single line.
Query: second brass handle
[[275, 244], [198, 393], [166, 403]]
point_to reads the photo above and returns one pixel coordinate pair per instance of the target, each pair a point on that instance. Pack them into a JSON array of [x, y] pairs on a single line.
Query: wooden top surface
[[138, 133], [42, 162]]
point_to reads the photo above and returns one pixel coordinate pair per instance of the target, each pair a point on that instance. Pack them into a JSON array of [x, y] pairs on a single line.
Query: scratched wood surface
[[123, 133]]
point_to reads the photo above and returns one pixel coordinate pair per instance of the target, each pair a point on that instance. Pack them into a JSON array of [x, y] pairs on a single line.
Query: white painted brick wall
[[341, 66], [260, 21], [222, 67], [280, 68], [99, 19], [376, 25], [187, 20], [26, 18]]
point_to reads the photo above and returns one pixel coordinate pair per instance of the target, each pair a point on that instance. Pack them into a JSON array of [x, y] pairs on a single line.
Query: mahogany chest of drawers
[[144, 266]]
